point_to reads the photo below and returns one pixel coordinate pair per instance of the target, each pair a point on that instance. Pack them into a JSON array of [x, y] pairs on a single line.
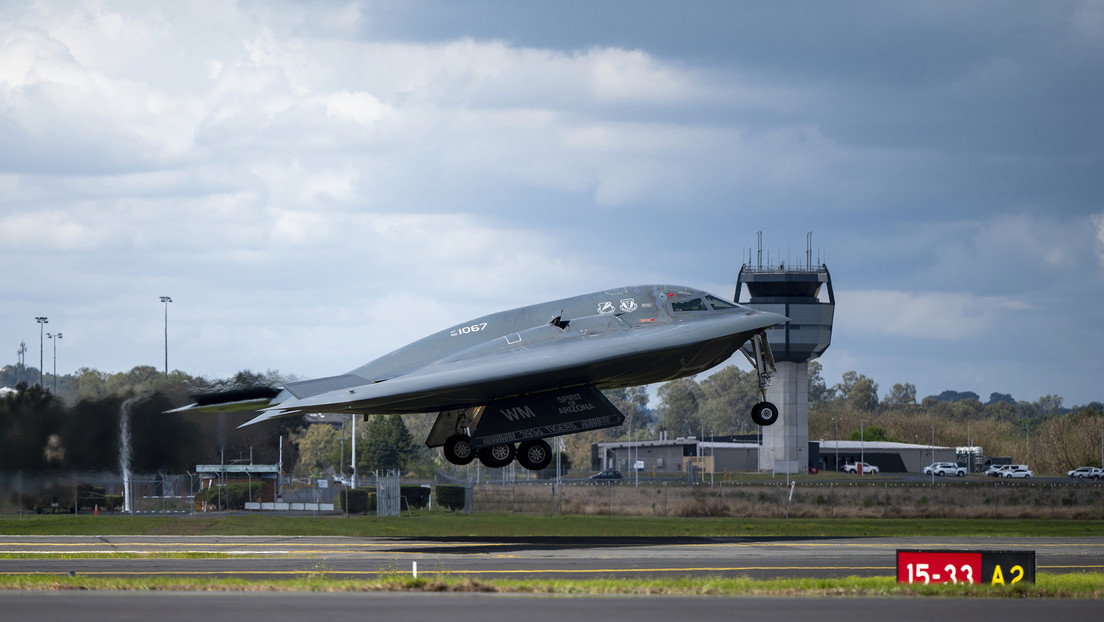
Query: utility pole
[[22, 352], [42, 321], [166, 300]]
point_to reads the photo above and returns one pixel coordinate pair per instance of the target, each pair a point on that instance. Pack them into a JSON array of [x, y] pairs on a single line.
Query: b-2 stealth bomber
[[504, 382]]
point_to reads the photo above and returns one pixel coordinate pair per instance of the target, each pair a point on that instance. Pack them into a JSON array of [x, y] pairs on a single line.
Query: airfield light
[[41, 343]]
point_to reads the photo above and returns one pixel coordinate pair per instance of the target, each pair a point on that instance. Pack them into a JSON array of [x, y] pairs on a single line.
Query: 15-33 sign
[[988, 567]]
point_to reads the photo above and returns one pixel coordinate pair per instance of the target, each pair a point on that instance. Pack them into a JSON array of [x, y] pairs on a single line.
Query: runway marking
[[453, 572]]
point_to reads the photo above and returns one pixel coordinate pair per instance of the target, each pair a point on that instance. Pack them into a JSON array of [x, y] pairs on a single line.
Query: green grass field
[[457, 525], [1047, 586]]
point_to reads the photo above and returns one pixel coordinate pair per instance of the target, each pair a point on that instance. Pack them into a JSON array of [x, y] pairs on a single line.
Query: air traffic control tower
[[804, 294]]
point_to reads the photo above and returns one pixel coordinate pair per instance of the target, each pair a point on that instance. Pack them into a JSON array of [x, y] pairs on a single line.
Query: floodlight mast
[[42, 321], [54, 338], [166, 300]]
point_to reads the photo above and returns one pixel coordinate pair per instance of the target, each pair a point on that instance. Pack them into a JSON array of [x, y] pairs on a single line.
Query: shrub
[[416, 496], [230, 496], [354, 501], [450, 496]]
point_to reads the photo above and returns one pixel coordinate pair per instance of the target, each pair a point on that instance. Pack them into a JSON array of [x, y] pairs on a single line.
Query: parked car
[[1085, 472], [996, 470], [1018, 471], [610, 474], [945, 468], [866, 468]]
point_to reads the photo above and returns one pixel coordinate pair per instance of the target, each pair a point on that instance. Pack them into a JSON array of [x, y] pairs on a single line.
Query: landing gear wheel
[[497, 456], [534, 455], [458, 449], [764, 413]]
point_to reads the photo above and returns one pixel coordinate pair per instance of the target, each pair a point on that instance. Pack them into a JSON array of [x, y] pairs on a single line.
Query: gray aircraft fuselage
[[609, 339]]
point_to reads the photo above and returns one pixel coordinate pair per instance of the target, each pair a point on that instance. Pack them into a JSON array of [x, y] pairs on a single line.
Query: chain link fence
[[959, 498], [878, 499]]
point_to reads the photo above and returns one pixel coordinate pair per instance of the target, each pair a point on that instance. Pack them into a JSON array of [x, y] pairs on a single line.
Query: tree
[[1050, 405], [870, 434], [818, 389], [387, 445], [859, 392], [727, 398], [900, 395], [319, 448], [633, 403], [678, 404]]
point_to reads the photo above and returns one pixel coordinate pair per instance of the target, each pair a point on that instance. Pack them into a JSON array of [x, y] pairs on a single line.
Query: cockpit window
[[719, 303], [693, 304]]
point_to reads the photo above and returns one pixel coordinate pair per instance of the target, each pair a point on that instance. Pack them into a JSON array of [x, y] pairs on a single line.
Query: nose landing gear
[[758, 353]]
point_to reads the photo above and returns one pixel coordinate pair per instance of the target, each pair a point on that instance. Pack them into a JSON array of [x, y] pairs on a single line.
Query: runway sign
[[988, 567]]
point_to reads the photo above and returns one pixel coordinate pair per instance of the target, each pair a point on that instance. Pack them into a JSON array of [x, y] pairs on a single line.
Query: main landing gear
[[533, 455]]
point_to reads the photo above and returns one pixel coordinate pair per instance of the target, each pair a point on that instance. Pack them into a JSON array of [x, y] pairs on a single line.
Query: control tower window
[[693, 304], [720, 303]]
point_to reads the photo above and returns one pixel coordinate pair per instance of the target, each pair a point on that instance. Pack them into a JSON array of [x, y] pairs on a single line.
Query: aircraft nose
[[768, 318]]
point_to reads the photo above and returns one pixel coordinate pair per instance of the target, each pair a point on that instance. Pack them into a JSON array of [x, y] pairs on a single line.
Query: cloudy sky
[[317, 183]]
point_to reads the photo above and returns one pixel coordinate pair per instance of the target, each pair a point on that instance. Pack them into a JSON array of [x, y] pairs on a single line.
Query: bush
[[230, 496], [450, 496], [353, 501], [416, 496]]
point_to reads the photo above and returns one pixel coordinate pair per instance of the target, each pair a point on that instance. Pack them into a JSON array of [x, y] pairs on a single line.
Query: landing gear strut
[[764, 413]]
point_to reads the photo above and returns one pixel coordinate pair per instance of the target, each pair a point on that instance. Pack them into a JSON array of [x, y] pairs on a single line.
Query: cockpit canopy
[[707, 302]]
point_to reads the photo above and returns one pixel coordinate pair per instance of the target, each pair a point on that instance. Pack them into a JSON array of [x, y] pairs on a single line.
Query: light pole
[[933, 454], [166, 300], [55, 338], [41, 343], [862, 445]]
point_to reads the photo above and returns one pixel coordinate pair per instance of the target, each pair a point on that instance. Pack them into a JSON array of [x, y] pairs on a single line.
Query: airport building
[[887, 456], [742, 454]]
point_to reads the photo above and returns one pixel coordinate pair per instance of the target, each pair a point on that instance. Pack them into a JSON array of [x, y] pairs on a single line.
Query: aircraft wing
[[625, 358]]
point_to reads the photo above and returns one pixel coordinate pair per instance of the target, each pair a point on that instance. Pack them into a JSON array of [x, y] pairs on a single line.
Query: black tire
[[497, 456], [960, 474], [534, 455], [764, 413], [458, 449]]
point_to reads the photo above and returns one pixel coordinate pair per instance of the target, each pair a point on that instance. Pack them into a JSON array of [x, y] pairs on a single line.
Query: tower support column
[[785, 447]]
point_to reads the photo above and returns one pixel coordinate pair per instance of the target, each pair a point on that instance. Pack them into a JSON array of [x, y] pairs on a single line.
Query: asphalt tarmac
[[529, 558], [301, 607]]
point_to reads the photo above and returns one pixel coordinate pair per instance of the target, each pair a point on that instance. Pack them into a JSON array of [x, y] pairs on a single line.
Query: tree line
[[76, 428]]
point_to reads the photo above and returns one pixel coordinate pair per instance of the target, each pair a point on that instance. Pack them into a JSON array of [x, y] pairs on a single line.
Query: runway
[[297, 607], [276, 557]]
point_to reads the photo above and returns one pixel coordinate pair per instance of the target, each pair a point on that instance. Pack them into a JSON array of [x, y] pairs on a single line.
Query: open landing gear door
[[541, 415]]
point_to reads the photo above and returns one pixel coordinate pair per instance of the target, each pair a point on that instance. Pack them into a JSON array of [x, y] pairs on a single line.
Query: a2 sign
[[988, 567]]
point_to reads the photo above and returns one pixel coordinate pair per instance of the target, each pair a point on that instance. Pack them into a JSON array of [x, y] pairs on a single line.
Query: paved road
[[298, 607], [531, 557]]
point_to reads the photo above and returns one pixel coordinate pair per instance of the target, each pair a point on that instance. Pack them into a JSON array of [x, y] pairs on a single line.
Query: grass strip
[[512, 525], [134, 555], [1089, 586]]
